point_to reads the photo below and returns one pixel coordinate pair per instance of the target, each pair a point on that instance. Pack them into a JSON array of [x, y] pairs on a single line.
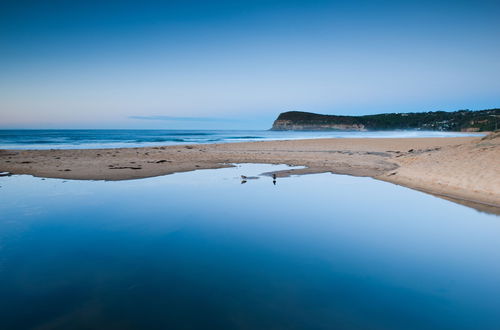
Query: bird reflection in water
[[244, 179]]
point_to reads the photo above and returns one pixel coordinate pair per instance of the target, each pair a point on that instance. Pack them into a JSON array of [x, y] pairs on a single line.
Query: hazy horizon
[[218, 121], [238, 64]]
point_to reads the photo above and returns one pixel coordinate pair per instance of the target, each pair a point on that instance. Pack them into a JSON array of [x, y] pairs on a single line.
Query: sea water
[[85, 139], [205, 250]]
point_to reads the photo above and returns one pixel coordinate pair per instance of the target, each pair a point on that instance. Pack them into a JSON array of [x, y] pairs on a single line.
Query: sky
[[238, 64]]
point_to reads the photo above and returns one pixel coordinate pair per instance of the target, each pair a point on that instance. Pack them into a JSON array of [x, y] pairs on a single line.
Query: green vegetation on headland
[[462, 120]]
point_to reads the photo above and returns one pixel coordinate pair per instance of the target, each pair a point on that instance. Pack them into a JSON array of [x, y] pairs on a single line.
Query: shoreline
[[461, 168]]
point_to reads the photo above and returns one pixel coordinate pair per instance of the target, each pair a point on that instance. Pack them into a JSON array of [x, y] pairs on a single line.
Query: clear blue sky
[[237, 64]]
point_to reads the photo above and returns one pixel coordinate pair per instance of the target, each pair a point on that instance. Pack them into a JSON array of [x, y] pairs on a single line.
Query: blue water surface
[[86, 139], [201, 250]]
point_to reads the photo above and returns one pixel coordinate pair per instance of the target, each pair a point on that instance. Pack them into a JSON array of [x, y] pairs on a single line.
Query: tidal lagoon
[[205, 249]]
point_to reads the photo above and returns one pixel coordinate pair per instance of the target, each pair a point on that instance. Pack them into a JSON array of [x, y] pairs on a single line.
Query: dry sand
[[464, 169]]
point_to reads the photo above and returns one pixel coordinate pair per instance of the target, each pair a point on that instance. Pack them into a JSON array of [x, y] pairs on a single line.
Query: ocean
[[93, 139]]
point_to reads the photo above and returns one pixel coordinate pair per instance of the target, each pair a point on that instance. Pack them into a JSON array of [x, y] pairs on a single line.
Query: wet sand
[[464, 169]]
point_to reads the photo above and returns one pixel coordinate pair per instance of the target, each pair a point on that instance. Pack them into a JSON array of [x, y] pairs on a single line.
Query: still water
[[200, 250]]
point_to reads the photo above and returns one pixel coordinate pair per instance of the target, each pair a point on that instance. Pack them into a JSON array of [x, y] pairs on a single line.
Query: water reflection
[[200, 250]]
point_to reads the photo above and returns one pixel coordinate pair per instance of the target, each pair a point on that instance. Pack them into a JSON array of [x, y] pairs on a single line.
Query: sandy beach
[[465, 169]]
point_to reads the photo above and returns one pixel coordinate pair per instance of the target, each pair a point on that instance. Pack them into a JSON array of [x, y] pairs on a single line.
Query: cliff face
[[290, 125], [463, 120], [297, 120]]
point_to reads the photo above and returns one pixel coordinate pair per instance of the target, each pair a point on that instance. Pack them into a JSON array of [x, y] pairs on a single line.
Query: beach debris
[[111, 167], [377, 153], [244, 177]]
